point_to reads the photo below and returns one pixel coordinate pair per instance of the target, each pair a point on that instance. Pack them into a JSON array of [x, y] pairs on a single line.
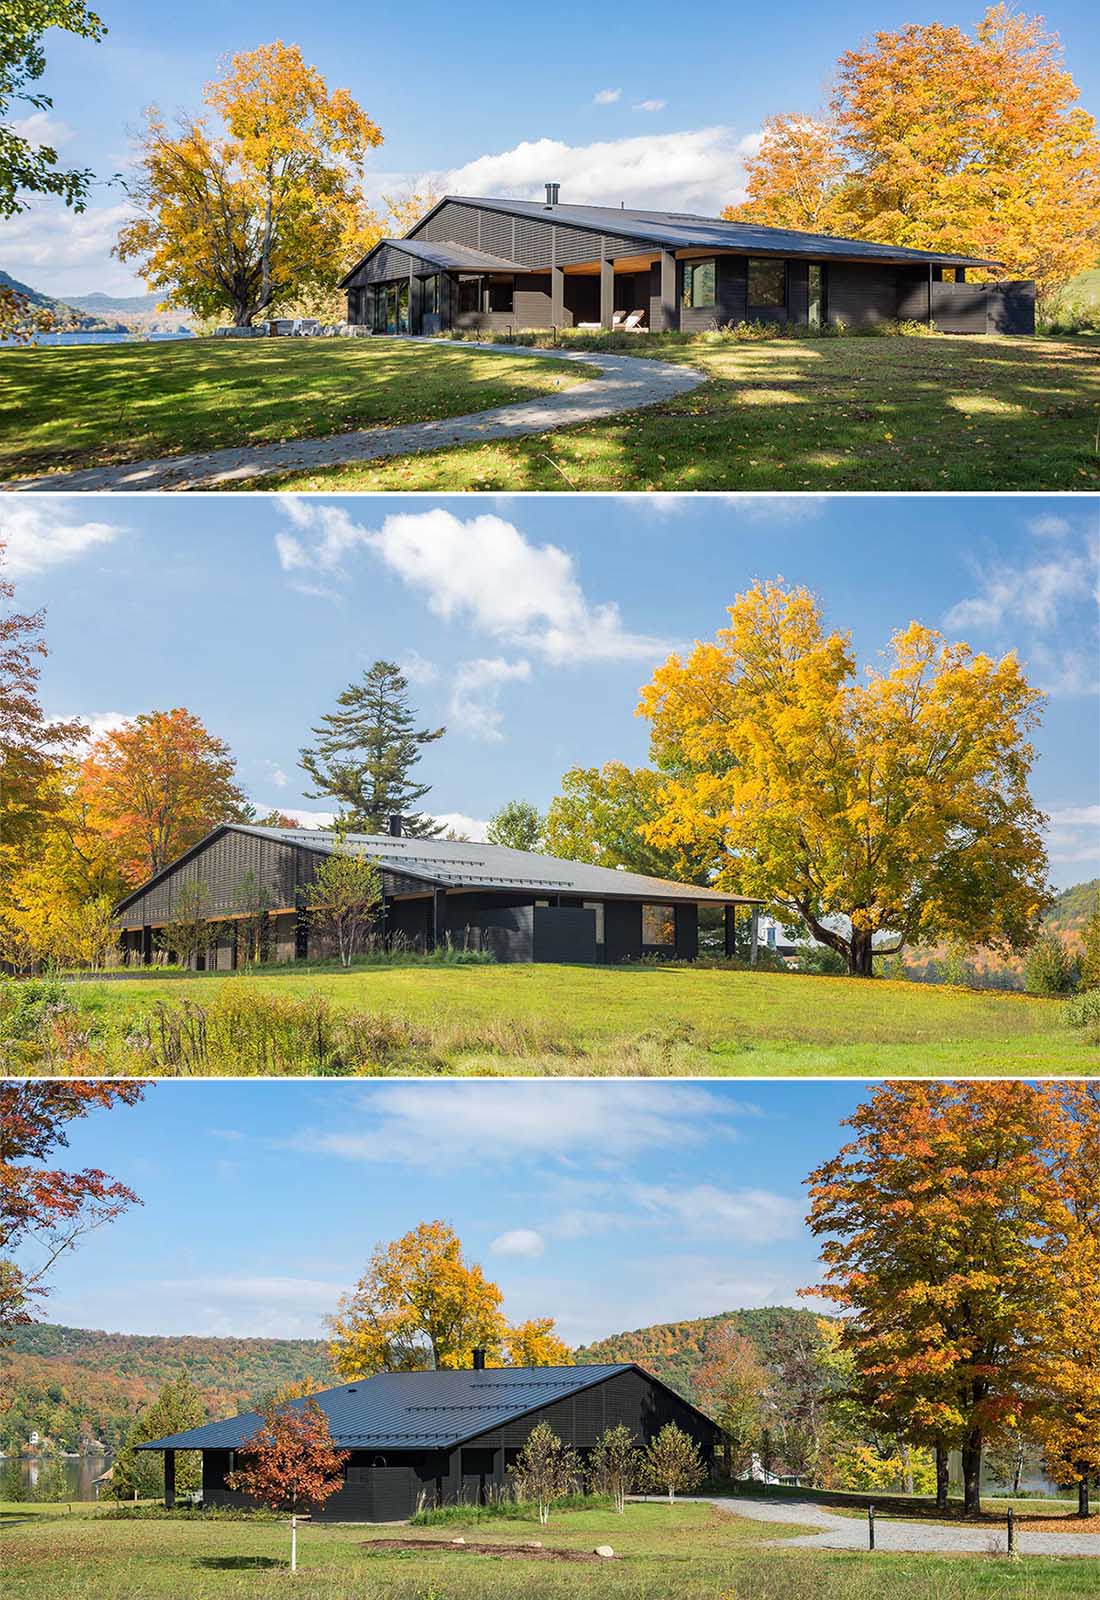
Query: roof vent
[[552, 194], [479, 1361], [395, 827]]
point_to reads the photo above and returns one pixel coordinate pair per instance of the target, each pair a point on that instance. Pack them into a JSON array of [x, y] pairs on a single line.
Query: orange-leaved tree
[[937, 139], [290, 1463], [936, 1218], [271, 207], [734, 1388], [875, 813], [421, 1304], [156, 785]]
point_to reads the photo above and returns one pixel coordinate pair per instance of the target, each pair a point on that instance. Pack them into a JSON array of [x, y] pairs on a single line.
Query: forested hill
[[674, 1350], [64, 314], [74, 1383]]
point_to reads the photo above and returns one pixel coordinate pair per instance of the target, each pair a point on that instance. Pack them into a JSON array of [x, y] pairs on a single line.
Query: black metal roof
[[462, 864], [681, 230], [417, 1410]]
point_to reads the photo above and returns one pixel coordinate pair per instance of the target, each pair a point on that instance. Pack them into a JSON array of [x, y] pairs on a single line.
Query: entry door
[[816, 315]]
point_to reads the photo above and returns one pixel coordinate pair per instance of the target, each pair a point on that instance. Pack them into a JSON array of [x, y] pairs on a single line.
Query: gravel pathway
[[627, 383], [850, 1533]]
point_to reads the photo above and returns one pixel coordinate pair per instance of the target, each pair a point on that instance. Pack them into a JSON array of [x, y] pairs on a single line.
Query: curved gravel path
[[627, 383], [850, 1533]]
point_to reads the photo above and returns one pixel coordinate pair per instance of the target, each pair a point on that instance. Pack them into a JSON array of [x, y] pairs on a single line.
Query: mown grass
[[94, 406], [550, 1020], [690, 1552], [937, 413]]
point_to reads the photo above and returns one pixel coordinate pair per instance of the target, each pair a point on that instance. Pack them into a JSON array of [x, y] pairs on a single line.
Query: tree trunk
[[972, 1473], [906, 1464], [860, 954], [1083, 1497], [943, 1477]]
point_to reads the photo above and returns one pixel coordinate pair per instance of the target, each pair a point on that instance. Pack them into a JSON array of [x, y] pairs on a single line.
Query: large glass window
[[403, 306], [658, 926], [429, 296], [469, 294], [816, 314], [700, 278], [501, 294], [767, 282]]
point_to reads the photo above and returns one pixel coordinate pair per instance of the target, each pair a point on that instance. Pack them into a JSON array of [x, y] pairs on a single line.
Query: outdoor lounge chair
[[634, 321]]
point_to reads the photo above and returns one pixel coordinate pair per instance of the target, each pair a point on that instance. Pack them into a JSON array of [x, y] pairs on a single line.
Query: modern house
[[517, 905], [440, 1438], [509, 265]]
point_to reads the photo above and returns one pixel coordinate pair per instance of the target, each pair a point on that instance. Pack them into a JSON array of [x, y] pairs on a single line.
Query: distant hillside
[[674, 1350], [74, 1383], [64, 314], [110, 302], [1066, 917]]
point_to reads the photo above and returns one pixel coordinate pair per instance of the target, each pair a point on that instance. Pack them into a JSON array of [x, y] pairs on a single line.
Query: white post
[[293, 1543]]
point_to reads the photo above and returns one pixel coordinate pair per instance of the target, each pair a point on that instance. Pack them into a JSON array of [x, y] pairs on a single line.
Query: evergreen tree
[[12, 1486], [140, 1473], [365, 752]]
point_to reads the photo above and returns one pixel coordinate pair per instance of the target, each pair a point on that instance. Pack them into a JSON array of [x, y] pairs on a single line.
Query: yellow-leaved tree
[[270, 207], [874, 813], [421, 1305], [937, 139]]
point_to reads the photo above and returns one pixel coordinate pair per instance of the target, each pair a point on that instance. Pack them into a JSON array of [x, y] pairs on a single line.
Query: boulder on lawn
[[603, 1550], [459, 1540]]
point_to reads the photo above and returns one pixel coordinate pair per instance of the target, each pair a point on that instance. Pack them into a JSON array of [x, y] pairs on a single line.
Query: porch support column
[[930, 294], [414, 304], [147, 946], [301, 932], [557, 297], [607, 294], [755, 935], [729, 929], [437, 927], [169, 1478], [669, 319]]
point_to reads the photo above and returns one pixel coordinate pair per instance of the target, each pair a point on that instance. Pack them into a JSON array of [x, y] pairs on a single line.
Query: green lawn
[[690, 1552], [543, 1019], [937, 413], [93, 406]]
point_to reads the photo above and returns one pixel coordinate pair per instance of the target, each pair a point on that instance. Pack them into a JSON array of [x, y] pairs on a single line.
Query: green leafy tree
[[600, 815], [517, 824], [617, 1464], [1088, 962], [344, 899], [139, 1474], [253, 903], [673, 1462], [13, 1488], [52, 1484], [365, 752], [1050, 967], [545, 1471], [189, 931], [26, 168]]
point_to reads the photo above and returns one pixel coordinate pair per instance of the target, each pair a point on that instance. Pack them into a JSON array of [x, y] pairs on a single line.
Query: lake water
[[90, 336], [80, 1471]]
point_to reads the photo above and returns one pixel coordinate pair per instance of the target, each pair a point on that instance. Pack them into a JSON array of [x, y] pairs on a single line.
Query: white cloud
[[41, 535], [697, 169], [482, 569], [1049, 526], [42, 127], [1073, 840], [307, 819], [606, 97], [417, 668], [519, 1242], [62, 251], [649, 105], [472, 828], [100, 722], [745, 1216], [1075, 816], [278, 776], [1035, 594], [442, 1125], [475, 695], [777, 509]]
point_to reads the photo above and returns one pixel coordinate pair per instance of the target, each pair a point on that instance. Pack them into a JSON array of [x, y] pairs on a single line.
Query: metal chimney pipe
[[479, 1361], [395, 827], [552, 190]]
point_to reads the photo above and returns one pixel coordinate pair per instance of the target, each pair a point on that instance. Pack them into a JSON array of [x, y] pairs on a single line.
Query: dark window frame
[[649, 912], [688, 288], [769, 262]]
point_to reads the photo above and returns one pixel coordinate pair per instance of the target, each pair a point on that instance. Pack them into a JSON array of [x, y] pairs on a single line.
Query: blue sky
[[494, 99], [606, 1204], [527, 624]]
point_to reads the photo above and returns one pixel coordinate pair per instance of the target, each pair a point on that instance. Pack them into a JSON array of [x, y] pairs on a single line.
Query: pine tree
[[365, 753]]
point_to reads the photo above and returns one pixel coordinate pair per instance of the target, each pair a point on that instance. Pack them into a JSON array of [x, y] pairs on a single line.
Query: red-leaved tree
[[290, 1463]]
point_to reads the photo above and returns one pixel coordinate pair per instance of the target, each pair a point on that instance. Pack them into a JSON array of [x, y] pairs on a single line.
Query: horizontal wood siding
[[565, 934], [862, 295], [452, 223], [507, 931], [279, 869], [532, 301], [1011, 307], [730, 285], [534, 242], [387, 263]]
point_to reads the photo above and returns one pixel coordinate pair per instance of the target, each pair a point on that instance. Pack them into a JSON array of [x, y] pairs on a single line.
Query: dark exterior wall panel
[[278, 869], [387, 263], [532, 302], [622, 930], [508, 931], [687, 932], [862, 295], [1011, 307], [565, 933]]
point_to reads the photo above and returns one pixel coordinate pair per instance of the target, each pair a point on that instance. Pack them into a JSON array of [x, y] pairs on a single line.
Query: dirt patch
[[522, 1552]]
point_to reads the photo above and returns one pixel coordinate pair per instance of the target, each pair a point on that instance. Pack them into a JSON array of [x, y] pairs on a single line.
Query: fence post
[[1011, 1531], [870, 1527]]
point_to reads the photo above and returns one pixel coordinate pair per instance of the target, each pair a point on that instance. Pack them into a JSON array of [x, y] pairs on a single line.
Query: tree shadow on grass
[[239, 1563]]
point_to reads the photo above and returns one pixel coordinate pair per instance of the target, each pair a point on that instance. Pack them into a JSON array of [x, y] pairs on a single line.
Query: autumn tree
[[517, 825], [875, 813], [935, 1217], [156, 785], [793, 178], [290, 1463], [535, 1344], [270, 205], [139, 1474], [26, 168], [617, 1464], [673, 1462], [734, 1388], [602, 815], [365, 753], [545, 1471], [1089, 959], [344, 898], [44, 1207]]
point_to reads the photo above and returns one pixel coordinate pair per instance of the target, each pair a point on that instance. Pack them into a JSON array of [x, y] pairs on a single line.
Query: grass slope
[[91, 406], [625, 1020], [936, 413], [688, 1552]]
